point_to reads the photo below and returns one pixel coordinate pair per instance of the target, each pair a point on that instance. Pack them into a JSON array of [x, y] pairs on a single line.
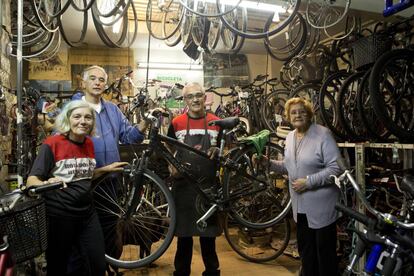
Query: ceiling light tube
[[173, 66], [251, 5]]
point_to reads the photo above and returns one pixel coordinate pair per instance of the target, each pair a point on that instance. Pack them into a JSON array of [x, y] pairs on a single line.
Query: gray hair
[[62, 123], [193, 84], [85, 73]]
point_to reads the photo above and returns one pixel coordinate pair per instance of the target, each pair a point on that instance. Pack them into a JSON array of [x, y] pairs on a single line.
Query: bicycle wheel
[[328, 96], [257, 245], [310, 92], [214, 34], [274, 107], [171, 20], [286, 49], [346, 106], [375, 127], [143, 237], [391, 91], [252, 203]]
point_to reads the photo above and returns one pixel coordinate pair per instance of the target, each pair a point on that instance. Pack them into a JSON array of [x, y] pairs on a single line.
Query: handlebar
[[355, 215], [371, 223], [9, 200], [35, 190]]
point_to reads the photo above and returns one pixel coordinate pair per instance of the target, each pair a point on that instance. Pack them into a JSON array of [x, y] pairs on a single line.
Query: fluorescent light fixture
[[251, 5], [171, 66]]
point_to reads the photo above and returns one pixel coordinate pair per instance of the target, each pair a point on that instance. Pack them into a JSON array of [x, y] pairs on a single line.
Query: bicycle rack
[[391, 8]]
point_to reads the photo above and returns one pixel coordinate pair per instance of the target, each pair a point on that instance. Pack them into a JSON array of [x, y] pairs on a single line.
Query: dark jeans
[[83, 233], [184, 254], [317, 248]]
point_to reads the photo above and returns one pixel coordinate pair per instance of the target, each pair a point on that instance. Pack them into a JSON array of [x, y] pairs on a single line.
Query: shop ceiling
[[366, 9]]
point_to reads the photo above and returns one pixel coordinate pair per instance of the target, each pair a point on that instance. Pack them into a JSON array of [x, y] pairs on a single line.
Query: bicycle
[[145, 209], [384, 232], [23, 226]]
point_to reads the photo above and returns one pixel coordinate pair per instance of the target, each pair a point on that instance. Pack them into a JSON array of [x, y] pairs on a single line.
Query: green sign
[[169, 78]]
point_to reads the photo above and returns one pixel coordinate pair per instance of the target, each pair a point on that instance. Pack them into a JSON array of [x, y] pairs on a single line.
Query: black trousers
[[184, 254], [317, 248], [83, 233]]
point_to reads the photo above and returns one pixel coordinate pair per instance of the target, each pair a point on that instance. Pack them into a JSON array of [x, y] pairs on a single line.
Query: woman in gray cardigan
[[310, 158]]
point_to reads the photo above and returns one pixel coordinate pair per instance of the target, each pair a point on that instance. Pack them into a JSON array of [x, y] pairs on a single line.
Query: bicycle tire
[[273, 108], [387, 66], [347, 109], [375, 127], [44, 25], [175, 37], [327, 102], [214, 34], [296, 44], [324, 12], [149, 19], [258, 246], [231, 41], [151, 226], [83, 31], [255, 209], [176, 20], [306, 91], [87, 7], [170, 8], [246, 126], [124, 31], [185, 28], [192, 11], [200, 30]]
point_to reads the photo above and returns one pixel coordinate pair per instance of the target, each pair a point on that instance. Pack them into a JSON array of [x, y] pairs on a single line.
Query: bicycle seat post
[[222, 142]]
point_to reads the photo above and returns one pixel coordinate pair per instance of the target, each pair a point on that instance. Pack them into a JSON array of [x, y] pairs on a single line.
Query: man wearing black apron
[[192, 128]]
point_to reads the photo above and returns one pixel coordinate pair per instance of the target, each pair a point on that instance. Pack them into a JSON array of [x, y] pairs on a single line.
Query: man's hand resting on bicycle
[[213, 152]]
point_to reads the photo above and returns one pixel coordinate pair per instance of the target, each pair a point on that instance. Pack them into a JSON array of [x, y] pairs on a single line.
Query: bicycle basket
[[26, 228], [367, 50]]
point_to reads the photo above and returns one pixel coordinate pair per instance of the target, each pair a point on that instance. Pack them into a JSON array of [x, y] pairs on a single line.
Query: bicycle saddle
[[407, 185], [227, 123]]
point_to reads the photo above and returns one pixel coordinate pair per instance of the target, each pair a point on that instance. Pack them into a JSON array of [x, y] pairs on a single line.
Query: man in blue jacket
[[112, 128]]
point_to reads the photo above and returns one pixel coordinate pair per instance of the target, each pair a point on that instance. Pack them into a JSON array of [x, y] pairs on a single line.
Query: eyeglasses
[[198, 95], [301, 112]]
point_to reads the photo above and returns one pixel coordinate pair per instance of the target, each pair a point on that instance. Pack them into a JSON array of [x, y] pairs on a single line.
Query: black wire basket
[[367, 50], [26, 228]]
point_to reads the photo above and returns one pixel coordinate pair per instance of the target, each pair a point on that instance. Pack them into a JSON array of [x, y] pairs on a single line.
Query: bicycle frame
[[217, 201], [6, 261]]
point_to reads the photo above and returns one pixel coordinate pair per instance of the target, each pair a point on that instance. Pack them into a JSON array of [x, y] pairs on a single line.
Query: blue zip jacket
[[112, 128]]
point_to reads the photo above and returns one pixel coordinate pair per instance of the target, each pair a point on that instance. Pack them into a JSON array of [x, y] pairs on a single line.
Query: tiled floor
[[230, 263]]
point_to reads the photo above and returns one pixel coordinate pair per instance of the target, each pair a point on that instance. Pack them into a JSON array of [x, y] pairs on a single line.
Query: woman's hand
[[263, 161], [299, 185], [114, 167], [54, 180]]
